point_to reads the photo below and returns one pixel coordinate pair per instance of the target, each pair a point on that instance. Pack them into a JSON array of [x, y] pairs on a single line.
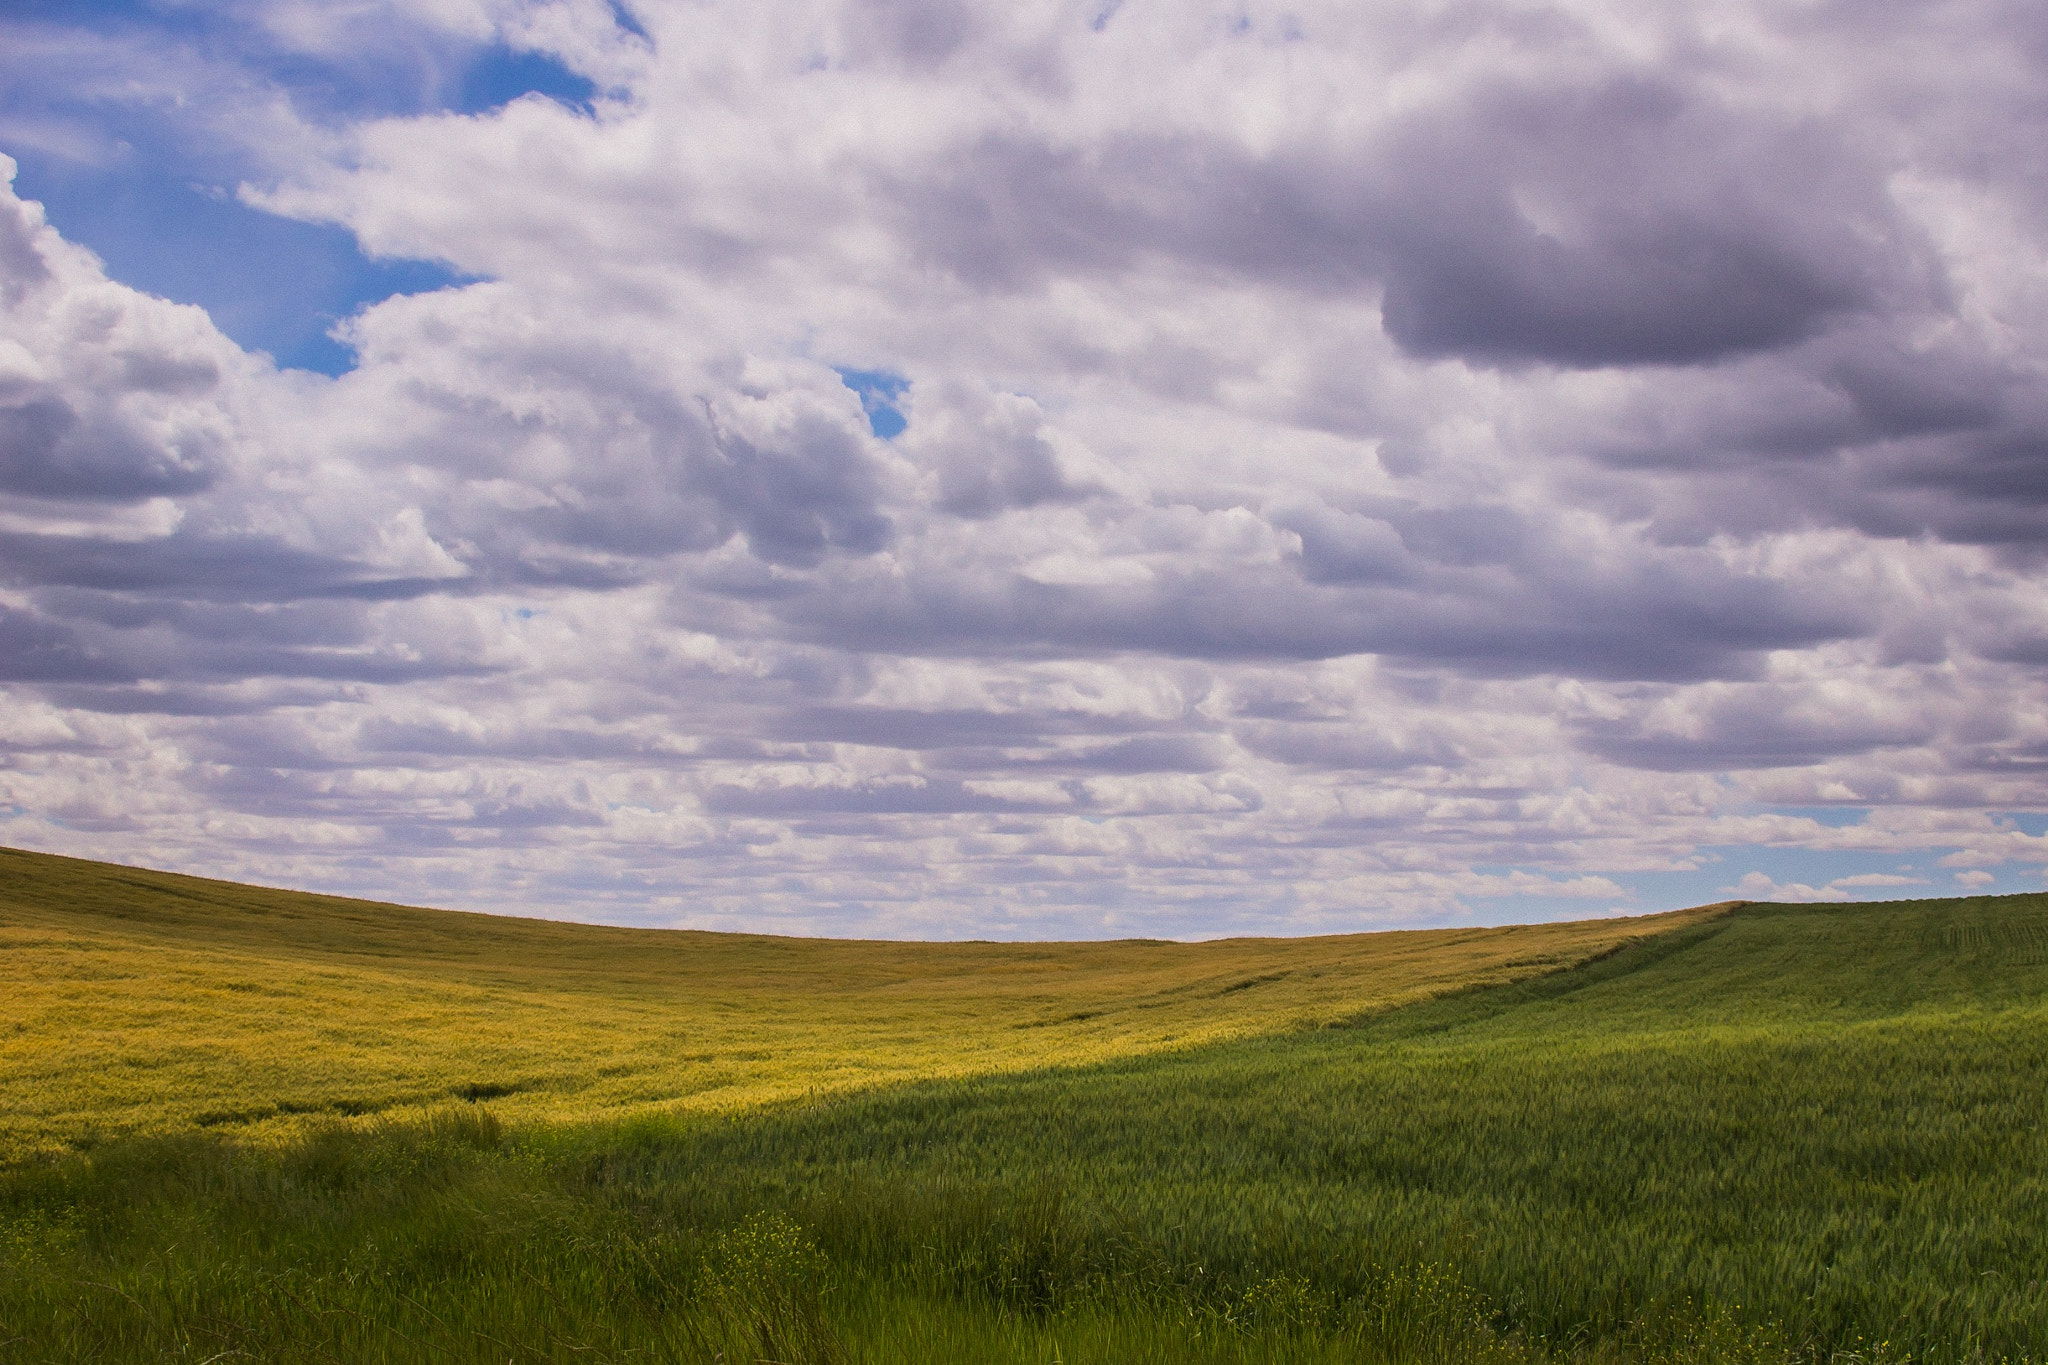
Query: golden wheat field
[[136, 1001]]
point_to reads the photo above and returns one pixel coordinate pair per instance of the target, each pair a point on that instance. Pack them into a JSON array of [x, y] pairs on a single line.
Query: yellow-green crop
[[135, 1001]]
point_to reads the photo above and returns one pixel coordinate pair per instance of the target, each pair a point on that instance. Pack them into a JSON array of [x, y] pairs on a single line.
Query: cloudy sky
[[1028, 469]]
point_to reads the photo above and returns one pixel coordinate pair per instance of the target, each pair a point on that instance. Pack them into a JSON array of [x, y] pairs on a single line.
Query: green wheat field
[[240, 1124]]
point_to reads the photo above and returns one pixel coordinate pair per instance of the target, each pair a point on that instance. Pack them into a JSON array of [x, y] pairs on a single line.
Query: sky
[[925, 468]]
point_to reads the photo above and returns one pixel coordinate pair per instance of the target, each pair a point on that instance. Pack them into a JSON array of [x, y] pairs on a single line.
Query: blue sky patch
[[93, 14], [157, 203], [273, 284], [879, 392], [499, 75]]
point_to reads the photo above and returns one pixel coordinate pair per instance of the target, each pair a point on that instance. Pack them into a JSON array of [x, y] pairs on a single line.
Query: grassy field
[[1774, 1134], [134, 1001]]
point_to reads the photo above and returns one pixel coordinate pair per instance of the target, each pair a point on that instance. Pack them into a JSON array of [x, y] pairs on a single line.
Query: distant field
[[135, 1001], [1771, 1135]]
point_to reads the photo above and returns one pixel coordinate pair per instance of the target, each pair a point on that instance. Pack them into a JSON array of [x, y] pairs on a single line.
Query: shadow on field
[[1778, 1136]]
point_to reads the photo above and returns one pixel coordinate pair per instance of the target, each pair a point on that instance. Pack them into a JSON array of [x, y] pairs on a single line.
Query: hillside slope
[[136, 1001], [1776, 1136], [1825, 1127]]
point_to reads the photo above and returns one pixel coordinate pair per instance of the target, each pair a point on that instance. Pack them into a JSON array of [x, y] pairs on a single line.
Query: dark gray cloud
[[992, 454], [199, 568], [1351, 547], [48, 450], [1759, 727], [1144, 754], [188, 698], [1685, 229], [795, 504], [1492, 604], [885, 797], [1332, 745], [34, 649], [915, 35], [902, 728], [1675, 229]]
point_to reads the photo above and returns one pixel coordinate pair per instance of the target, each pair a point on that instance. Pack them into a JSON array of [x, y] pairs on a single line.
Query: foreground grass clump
[[1779, 1135], [434, 1239], [134, 1002]]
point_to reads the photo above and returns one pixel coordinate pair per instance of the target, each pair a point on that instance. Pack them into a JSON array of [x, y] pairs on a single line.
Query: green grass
[[1771, 1135]]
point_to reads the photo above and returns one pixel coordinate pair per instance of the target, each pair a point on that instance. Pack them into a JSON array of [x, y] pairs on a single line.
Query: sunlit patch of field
[[135, 1001], [1812, 1135]]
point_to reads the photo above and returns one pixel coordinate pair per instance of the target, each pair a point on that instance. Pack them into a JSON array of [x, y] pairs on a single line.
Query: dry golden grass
[[136, 1001]]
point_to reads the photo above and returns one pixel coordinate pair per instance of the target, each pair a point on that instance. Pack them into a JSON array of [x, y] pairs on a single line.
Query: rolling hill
[[1759, 1133], [134, 1001]]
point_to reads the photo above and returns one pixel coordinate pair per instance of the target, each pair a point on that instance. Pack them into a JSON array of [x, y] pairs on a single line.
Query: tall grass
[[1781, 1135]]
